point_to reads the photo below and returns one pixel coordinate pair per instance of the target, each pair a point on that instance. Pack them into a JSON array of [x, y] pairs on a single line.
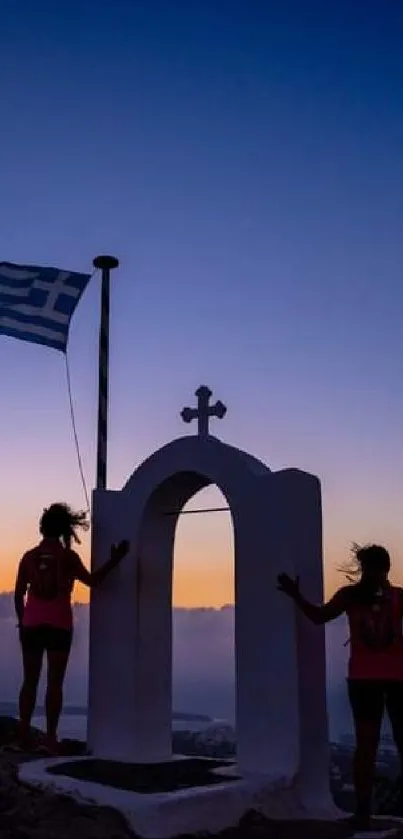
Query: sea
[[74, 726], [73, 721]]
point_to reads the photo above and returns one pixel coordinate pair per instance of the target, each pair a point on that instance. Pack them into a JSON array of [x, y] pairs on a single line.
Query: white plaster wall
[[191, 812], [112, 632], [277, 521], [306, 545], [266, 650]]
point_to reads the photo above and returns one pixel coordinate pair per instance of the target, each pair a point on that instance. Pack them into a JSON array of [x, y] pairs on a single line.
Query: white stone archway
[[281, 714]]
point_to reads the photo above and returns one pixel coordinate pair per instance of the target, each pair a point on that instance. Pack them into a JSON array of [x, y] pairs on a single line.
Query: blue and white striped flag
[[37, 304]]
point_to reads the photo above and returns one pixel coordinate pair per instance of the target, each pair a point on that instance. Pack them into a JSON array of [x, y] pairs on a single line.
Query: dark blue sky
[[244, 160]]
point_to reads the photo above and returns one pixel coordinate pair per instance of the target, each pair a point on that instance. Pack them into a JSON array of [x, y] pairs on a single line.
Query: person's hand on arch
[[119, 551], [94, 578], [317, 614], [288, 585]]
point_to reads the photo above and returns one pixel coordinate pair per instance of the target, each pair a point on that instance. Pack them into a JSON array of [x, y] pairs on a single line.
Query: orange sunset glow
[[203, 557]]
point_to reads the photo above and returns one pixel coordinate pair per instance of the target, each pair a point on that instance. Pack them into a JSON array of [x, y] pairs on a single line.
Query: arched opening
[[203, 627], [162, 526]]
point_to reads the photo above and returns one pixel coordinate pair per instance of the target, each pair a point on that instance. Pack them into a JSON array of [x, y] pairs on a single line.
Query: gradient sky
[[244, 160]]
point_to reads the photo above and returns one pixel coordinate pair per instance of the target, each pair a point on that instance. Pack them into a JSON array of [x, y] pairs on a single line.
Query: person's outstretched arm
[[94, 578], [317, 614]]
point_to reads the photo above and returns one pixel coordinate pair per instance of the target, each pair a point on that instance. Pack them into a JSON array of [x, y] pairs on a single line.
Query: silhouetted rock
[[9, 731], [27, 813]]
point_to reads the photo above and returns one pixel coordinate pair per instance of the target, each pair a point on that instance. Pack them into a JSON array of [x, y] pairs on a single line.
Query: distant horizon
[[82, 710], [84, 601]]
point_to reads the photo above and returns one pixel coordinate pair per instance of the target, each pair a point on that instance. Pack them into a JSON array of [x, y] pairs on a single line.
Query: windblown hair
[[363, 559], [59, 521]]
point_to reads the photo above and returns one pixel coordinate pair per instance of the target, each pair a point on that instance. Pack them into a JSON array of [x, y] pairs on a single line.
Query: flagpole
[[106, 264]]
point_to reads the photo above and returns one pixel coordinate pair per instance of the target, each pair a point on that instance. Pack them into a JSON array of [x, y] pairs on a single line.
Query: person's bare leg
[[394, 707], [367, 740], [32, 664], [57, 663]]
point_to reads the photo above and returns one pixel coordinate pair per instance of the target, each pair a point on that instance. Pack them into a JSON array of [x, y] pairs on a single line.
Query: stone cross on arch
[[204, 410]]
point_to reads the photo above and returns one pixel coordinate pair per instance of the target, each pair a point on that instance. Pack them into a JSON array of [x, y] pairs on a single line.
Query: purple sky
[[245, 163]]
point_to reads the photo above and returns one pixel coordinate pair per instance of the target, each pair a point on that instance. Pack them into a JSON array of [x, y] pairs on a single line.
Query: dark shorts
[[370, 698], [45, 637]]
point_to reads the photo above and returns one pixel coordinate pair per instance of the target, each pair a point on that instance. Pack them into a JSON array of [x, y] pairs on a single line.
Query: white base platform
[[199, 809]]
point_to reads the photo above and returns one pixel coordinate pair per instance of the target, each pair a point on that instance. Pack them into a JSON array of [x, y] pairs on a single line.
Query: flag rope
[[75, 435], [74, 427]]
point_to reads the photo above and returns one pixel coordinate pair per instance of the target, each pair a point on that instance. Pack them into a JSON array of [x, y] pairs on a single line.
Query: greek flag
[[37, 304]]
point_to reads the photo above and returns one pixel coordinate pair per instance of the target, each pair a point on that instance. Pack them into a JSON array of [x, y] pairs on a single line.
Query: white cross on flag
[[37, 304]]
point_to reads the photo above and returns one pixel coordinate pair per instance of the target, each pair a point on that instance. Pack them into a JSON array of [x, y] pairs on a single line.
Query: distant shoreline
[[11, 709]]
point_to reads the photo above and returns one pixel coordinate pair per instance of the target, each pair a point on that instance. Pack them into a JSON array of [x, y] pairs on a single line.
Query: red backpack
[[45, 579]]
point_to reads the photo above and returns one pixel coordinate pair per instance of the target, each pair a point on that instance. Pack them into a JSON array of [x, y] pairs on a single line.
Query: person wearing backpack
[[43, 592], [374, 610]]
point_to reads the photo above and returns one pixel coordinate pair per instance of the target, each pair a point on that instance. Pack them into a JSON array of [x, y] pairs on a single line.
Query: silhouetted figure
[[43, 590], [375, 672]]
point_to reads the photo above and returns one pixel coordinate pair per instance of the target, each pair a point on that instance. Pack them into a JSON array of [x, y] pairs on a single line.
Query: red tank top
[[376, 637], [49, 572]]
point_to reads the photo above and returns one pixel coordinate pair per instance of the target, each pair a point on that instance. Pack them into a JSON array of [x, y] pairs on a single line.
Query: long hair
[[59, 521], [365, 558]]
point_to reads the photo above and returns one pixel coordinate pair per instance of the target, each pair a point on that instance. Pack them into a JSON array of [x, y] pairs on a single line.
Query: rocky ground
[[29, 814], [26, 813]]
